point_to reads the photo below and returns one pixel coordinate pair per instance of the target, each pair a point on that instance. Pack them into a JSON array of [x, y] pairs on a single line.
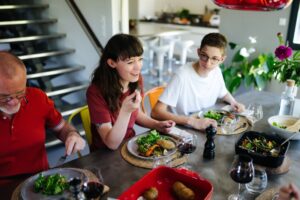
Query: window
[[294, 26]]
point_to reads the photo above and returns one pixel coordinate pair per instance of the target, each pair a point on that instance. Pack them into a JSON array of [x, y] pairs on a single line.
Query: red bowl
[[162, 178]]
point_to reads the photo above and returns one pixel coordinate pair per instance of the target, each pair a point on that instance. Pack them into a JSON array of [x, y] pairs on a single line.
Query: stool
[[184, 47], [170, 40], [160, 52], [148, 45]]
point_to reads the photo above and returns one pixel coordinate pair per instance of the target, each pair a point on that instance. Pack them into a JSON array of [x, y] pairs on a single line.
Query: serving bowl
[[283, 120], [260, 158]]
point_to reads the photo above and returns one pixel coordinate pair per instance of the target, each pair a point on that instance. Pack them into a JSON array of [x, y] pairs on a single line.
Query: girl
[[113, 96]]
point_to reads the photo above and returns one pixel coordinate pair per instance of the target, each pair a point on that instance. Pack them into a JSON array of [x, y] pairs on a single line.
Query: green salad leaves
[[213, 115], [145, 142], [51, 185], [278, 125]]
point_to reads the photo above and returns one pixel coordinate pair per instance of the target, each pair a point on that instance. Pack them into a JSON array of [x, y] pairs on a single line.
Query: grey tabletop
[[119, 175]]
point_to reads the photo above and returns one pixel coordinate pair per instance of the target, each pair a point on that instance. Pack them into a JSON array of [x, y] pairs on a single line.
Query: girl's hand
[[131, 102], [165, 126]]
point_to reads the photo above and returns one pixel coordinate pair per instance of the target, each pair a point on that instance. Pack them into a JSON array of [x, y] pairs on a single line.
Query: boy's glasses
[[6, 99], [205, 58]]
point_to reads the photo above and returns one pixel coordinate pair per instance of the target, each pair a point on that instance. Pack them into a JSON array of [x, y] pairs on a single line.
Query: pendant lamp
[[257, 5]]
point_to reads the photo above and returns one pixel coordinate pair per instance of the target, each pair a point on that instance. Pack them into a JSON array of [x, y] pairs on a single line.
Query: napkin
[[246, 113], [179, 133]]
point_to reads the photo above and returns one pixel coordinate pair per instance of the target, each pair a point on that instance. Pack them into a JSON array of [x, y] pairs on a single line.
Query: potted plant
[[246, 68]]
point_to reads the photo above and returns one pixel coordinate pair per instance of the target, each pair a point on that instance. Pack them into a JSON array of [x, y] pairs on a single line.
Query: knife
[[61, 160]]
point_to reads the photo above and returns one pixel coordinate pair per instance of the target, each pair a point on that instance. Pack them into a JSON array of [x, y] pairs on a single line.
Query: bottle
[[287, 99]]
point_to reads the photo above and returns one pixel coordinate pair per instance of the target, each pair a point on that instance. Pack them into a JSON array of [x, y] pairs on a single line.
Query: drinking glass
[[242, 172], [187, 146], [228, 125], [93, 189], [256, 111], [259, 181]]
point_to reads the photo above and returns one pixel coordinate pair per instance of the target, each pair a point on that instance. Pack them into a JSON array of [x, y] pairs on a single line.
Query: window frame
[[294, 25]]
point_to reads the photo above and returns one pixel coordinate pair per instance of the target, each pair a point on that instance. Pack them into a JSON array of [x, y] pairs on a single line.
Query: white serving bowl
[[284, 120]]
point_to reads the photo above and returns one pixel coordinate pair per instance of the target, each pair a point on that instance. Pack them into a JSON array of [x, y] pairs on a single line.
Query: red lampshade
[[258, 5]]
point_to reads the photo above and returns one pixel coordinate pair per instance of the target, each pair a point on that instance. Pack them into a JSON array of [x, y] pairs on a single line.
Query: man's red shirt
[[22, 138]]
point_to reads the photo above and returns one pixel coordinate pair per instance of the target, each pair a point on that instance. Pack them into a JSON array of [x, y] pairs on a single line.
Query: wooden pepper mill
[[209, 147]]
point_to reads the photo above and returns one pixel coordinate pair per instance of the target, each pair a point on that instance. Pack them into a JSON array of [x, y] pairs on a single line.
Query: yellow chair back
[[86, 121], [153, 95]]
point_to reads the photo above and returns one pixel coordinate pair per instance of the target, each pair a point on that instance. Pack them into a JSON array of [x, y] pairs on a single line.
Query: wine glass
[[94, 188], [242, 171], [228, 125], [187, 146], [256, 111]]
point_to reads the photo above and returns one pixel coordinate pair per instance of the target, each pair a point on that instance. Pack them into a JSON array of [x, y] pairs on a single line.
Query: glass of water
[[259, 182]]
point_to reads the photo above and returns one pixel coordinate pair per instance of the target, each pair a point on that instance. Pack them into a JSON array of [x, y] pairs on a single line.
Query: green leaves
[[254, 72]]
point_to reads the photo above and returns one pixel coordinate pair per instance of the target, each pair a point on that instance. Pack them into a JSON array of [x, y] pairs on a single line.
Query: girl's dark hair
[[214, 40], [106, 78]]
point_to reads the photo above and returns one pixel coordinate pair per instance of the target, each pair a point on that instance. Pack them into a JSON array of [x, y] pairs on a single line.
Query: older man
[[24, 114]]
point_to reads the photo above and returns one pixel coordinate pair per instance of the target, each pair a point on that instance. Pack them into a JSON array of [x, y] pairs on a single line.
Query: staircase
[[24, 32]]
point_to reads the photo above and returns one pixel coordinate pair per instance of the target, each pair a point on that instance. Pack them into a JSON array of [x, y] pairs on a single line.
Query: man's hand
[[74, 142], [237, 107], [287, 192], [202, 123], [165, 126]]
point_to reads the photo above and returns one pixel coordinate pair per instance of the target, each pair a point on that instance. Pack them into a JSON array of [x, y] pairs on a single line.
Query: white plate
[[27, 190], [132, 147]]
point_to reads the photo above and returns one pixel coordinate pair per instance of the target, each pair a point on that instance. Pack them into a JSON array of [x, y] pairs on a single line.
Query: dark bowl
[[259, 158]]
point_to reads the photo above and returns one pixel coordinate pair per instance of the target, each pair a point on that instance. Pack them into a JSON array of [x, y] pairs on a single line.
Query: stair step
[[65, 89], [47, 54], [26, 22], [23, 6], [55, 71], [69, 109], [32, 38]]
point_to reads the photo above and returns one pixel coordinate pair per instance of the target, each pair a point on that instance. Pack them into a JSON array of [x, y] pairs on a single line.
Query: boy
[[196, 86]]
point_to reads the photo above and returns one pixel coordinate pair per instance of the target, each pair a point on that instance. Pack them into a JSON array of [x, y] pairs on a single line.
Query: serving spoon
[[275, 151]]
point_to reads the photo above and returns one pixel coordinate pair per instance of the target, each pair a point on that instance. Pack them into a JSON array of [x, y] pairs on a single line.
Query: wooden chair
[[153, 95], [84, 114]]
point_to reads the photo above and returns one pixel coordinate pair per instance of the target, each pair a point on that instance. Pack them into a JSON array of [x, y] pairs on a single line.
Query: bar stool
[[148, 45], [160, 52], [184, 47], [170, 40]]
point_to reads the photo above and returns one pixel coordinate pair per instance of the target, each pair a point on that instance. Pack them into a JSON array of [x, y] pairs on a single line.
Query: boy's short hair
[[214, 40]]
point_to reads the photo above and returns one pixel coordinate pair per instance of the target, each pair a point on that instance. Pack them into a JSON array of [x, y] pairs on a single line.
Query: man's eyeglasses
[[205, 58], [6, 99]]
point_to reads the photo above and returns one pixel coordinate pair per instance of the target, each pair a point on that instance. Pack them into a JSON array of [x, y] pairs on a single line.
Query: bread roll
[[151, 194], [182, 192]]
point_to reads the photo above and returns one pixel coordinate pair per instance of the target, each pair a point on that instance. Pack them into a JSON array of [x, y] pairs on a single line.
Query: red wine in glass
[[186, 148], [241, 176], [242, 171], [92, 189]]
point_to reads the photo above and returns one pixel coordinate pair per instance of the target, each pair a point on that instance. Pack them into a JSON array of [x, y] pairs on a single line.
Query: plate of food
[[50, 184], [151, 144], [218, 115]]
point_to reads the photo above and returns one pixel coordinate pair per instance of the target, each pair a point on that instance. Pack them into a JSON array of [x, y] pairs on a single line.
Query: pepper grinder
[[209, 147]]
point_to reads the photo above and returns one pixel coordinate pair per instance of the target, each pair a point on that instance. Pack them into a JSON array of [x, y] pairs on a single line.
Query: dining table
[[119, 175]]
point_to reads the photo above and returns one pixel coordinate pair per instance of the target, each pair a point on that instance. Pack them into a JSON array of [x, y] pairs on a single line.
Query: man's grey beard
[[10, 111]]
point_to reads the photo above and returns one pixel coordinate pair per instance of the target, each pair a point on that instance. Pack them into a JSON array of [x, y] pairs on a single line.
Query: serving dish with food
[[285, 125], [51, 184], [165, 183], [152, 144], [258, 145]]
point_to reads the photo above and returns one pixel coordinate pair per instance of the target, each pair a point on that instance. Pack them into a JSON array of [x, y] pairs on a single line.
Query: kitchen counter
[[200, 24]]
